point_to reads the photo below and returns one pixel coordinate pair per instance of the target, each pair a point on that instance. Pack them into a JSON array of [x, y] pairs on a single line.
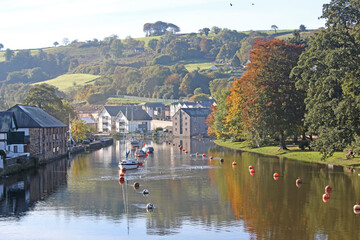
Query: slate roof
[[88, 120], [34, 117], [197, 112], [5, 121], [131, 112]]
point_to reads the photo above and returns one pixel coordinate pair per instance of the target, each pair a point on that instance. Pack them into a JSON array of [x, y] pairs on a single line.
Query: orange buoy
[[140, 164], [356, 208], [121, 180], [326, 197], [122, 174], [252, 171], [186, 152], [328, 189], [251, 167], [123, 170], [234, 163]]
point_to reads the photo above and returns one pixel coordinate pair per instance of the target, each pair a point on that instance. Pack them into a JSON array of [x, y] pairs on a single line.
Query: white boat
[[129, 164], [148, 148]]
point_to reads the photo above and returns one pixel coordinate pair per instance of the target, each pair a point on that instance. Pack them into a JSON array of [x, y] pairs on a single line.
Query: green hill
[[69, 80]]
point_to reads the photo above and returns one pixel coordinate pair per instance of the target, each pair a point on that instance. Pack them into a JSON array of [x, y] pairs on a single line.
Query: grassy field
[[294, 153], [69, 80], [192, 65]]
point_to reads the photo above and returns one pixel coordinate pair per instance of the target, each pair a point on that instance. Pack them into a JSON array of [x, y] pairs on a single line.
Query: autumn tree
[[328, 71], [264, 101], [78, 129]]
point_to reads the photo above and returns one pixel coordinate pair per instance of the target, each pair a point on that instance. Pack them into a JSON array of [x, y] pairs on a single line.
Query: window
[[185, 129], [15, 149]]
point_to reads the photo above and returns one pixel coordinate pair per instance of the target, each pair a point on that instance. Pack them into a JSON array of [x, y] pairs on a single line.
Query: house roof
[[34, 117], [113, 110], [88, 120], [6, 121], [130, 112], [197, 112], [135, 113]]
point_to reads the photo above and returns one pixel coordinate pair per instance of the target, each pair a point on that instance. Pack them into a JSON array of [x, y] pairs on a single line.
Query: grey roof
[[130, 112], [135, 113], [88, 120], [206, 103], [34, 117], [197, 112], [5, 121], [113, 110]]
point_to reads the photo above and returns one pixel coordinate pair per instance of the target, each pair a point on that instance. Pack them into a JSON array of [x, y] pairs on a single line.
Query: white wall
[[158, 123]]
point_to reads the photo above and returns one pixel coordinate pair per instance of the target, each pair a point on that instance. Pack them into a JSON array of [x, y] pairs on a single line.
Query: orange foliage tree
[[264, 101]]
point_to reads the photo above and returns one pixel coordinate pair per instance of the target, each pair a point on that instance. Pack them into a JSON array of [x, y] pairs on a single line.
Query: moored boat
[[148, 148], [129, 164]]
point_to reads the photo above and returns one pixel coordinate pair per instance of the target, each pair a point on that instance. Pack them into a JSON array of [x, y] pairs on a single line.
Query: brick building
[[45, 136], [189, 122]]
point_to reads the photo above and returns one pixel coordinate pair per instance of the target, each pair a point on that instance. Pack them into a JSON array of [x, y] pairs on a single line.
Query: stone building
[[189, 122], [45, 137]]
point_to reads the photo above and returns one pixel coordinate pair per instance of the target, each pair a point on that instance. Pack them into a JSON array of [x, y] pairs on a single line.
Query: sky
[[39, 23]]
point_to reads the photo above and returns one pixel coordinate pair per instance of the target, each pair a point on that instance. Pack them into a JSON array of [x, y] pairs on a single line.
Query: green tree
[[78, 129], [302, 28], [215, 30], [116, 48], [45, 97], [205, 31], [9, 54], [328, 72], [55, 44], [152, 44], [274, 27]]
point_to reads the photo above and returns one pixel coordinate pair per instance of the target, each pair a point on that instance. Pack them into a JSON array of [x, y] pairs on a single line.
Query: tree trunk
[[304, 136], [282, 141]]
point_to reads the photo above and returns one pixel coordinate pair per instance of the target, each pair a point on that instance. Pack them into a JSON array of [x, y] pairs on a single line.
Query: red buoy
[[252, 171], [197, 153], [328, 189], [148, 151], [204, 155], [122, 174], [123, 170], [211, 158], [326, 197], [181, 147], [234, 163], [121, 180], [276, 175], [140, 164], [251, 167], [139, 156], [298, 181]]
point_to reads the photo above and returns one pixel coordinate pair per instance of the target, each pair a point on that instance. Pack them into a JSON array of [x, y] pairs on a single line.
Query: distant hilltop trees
[[159, 28]]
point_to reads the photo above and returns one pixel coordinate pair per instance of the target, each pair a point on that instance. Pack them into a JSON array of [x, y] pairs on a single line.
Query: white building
[[124, 119], [199, 104]]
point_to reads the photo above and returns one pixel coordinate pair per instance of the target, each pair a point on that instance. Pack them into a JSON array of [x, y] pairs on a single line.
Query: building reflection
[[19, 193]]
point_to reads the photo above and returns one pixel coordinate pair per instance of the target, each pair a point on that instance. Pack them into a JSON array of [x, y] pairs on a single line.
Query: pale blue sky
[[39, 23]]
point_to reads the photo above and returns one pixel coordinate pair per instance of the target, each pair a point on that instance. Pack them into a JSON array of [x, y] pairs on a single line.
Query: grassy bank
[[293, 153]]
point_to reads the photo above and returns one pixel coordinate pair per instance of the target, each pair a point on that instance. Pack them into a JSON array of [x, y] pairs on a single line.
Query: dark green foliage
[[235, 62], [328, 71], [162, 60]]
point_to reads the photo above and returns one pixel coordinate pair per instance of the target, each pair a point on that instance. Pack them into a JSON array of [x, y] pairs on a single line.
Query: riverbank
[[294, 153]]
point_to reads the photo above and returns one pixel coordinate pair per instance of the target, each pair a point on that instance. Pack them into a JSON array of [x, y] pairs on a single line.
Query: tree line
[[291, 88]]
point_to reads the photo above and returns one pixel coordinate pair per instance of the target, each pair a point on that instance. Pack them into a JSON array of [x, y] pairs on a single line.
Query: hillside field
[[69, 80]]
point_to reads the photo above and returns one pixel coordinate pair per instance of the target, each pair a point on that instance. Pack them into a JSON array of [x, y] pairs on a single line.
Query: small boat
[[140, 153], [148, 148], [129, 164]]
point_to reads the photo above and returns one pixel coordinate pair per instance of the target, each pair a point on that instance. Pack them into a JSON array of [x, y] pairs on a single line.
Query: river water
[[194, 197]]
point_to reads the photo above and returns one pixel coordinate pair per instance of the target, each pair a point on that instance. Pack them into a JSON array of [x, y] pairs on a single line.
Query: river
[[194, 197]]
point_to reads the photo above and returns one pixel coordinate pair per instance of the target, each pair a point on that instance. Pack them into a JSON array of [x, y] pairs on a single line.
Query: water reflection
[[193, 196]]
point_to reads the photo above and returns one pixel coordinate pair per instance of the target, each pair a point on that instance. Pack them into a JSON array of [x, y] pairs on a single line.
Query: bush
[[304, 144]]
